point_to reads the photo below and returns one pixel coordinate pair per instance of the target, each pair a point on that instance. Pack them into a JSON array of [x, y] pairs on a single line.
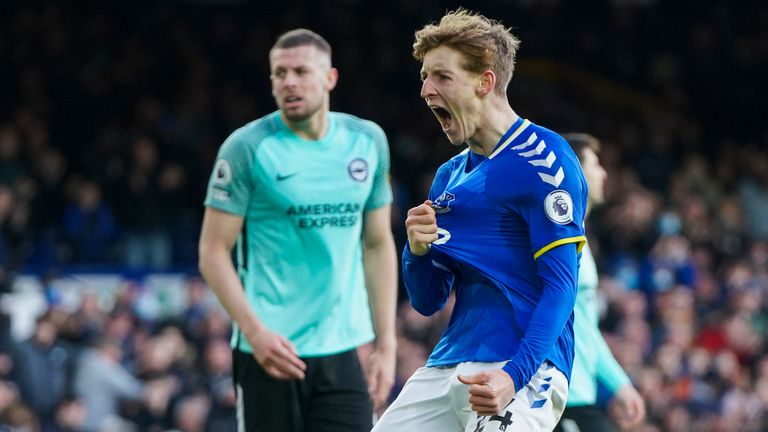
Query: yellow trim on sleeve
[[580, 239]]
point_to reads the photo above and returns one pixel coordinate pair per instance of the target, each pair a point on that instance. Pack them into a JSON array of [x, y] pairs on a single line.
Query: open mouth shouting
[[443, 116]]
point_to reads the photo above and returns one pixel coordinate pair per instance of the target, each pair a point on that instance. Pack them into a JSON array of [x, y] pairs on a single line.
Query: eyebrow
[[437, 69]]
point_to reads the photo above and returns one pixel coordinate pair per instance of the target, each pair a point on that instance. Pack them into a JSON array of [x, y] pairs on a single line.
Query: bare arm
[[274, 352], [381, 282]]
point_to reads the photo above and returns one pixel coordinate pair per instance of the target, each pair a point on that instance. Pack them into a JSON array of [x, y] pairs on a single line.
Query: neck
[[312, 128], [496, 119]]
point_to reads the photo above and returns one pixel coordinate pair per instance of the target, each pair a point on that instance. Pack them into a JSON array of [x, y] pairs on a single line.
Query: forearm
[[558, 272], [381, 283], [428, 284], [220, 274], [609, 371]]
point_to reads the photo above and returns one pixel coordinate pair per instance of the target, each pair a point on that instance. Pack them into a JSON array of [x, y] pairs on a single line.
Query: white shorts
[[434, 400]]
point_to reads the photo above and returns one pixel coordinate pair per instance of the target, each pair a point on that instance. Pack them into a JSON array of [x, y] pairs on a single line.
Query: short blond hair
[[485, 43]]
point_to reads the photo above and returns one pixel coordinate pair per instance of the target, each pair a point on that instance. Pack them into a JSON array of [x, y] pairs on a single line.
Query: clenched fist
[[421, 226]]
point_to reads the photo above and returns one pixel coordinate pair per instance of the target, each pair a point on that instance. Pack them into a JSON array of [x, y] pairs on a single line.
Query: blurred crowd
[[103, 366], [111, 116]]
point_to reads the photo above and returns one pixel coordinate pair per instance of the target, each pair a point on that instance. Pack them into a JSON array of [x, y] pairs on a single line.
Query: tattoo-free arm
[[381, 282], [274, 352]]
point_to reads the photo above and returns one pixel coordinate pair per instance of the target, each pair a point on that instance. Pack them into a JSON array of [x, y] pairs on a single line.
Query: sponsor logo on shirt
[[325, 215]]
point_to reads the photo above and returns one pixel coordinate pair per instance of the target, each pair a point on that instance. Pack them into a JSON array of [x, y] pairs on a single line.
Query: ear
[[487, 82], [332, 78]]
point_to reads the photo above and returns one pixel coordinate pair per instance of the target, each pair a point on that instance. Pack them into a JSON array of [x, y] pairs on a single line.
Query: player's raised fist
[[421, 226]]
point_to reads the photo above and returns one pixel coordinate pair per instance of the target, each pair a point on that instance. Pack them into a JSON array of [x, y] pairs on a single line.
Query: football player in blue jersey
[[303, 196], [503, 227]]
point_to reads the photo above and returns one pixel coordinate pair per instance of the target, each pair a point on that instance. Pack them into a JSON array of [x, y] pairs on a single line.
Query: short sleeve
[[231, 182], [381, 189]]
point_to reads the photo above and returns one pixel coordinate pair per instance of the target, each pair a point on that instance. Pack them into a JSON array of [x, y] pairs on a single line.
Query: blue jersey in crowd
[[511, 227]]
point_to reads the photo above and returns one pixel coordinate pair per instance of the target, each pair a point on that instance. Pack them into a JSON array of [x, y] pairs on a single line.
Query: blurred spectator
[[70, 416], [89, 227], [199, 303], [11, 164], [9, 395], [42, 367], [668, 263], [6, 253], [753, 190], [219, 386], [164, 366], [49, 201], [20, 417], [101, 382], [145, 215], [191, 413]]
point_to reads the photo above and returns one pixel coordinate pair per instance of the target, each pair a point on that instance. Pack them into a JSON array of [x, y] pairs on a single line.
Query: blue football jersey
[[497, 221]]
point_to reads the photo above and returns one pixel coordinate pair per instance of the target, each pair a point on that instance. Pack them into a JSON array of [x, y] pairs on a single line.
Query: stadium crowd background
[[111, 115]]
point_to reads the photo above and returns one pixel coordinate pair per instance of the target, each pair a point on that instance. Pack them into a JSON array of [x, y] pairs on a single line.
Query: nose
[[427, 89]]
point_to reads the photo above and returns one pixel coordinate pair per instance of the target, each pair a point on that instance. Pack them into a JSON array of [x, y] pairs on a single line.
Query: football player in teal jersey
[[593, 362], [503, 227], [303, 196]]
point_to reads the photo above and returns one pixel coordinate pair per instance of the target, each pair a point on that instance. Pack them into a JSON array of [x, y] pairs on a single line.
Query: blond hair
[[485, 43]]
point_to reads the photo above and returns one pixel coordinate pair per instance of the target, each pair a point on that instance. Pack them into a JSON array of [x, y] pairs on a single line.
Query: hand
[[421, 226], [277, 355], [380, 374], [627, 408], [489, 391]]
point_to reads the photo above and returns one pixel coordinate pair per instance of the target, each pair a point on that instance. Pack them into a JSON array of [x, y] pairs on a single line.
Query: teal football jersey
[[299, 255], [593, 361]]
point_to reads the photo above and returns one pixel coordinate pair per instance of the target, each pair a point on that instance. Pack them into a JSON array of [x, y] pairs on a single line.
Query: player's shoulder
[[357, 125], [539, 158], [252, 134], [546, 134], [538, 149], [537, 140]]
